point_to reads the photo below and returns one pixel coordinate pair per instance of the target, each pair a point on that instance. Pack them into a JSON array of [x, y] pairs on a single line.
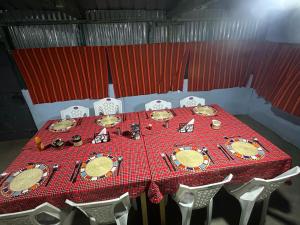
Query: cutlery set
[[225, 152]]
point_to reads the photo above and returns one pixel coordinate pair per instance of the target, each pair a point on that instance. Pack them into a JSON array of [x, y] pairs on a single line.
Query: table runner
[[134, 175], [161, 139]]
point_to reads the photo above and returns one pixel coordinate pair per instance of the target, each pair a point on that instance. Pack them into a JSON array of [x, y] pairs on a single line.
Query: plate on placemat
[[62, 125], [25, 180], [190, 158], [108, 121], [98, 166], [162, 115], [205, 110], [245, 149]]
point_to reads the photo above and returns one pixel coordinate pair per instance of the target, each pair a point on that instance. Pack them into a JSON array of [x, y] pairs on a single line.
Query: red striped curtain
[[218, 64], [147, 69], [65, 73], [276, 69]]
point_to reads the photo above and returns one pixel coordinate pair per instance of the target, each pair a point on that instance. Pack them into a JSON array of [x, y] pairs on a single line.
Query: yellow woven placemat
[[244, 148], [26, 179], [205, 110], [62, 125], [161, 115], [108, 121], [99, 166], [190, 158]]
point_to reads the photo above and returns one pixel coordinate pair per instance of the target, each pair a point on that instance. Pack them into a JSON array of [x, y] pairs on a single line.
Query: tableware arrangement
[[63, 125], [258, 142], [205, 151], [161, 115], [205, 110], [99, 166], [163, 155], [108, 121], [223, 150], [171, 162], [54, 169], [190, 158], [24, 180], [77, 164], [245, 149]]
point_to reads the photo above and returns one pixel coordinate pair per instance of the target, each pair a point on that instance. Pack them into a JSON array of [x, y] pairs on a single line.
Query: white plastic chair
[[74, 112], [158, 105], [108, 106], [105, 212], [191, 101], [41, 215], [189, 198], [258, 190]]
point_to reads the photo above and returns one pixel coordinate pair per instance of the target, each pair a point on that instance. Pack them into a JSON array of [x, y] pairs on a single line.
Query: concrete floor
[[284, 208]]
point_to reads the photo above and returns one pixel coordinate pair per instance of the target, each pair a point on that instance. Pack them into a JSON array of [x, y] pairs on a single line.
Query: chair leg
[[209, 211], [186, 214], [247, 207], [144, 208], [162, 209], [264, 211]]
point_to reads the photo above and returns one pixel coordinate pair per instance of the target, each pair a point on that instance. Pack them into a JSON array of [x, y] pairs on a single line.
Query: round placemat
[[108, 121], [62, 125], [162, 115], [98, 166], [205, 110], [25, 180], [190, 158], [245, 149]]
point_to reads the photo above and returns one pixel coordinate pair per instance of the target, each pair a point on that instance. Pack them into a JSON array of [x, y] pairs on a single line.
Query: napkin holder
[[185, 128], [135, 131], [102, 137]]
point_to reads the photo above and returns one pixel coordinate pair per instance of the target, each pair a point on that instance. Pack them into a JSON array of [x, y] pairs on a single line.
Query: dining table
[[144, 172], [166, 177]]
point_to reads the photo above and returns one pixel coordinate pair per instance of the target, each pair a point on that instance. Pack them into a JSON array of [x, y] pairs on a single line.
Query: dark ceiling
[[77, 8]]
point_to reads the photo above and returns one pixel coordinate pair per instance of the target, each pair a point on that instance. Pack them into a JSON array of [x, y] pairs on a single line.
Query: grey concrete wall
[[234, 100]]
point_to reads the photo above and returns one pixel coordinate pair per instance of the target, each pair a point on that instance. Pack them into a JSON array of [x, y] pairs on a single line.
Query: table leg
[[162, 209], [144, 208]]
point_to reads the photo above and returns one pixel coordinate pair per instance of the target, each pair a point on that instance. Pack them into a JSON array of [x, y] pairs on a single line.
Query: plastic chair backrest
[[108, 106], [104, 211], [158, 105], [201, 194]]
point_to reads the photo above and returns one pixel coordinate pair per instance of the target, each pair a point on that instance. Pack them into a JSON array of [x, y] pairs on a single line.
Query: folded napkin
[[188, 127], [100, 137]]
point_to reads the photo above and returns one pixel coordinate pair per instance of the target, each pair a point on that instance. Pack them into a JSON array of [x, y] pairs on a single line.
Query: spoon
[[120, 159], [205, 151], [54, 169]]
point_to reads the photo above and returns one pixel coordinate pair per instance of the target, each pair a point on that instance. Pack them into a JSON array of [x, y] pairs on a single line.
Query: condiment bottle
[[38, 141]]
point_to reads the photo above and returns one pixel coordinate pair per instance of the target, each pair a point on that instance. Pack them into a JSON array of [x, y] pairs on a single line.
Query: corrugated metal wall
[[155, 29]]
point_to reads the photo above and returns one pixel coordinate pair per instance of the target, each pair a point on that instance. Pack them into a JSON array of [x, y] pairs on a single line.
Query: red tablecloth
[[142, 168], [134, 176], [161, 139]]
